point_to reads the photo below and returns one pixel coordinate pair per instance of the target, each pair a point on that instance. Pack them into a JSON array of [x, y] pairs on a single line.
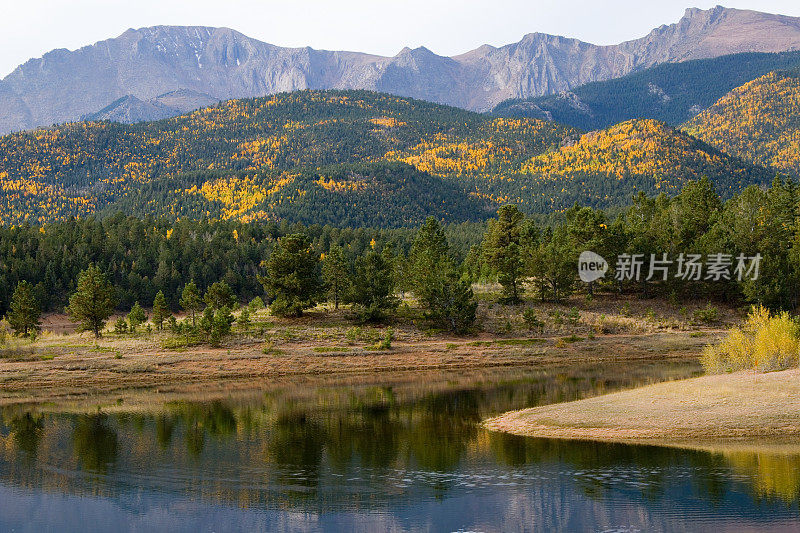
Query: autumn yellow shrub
[[765, 342]]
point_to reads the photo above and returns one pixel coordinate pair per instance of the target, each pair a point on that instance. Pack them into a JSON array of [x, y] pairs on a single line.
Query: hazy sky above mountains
[[31, 28]]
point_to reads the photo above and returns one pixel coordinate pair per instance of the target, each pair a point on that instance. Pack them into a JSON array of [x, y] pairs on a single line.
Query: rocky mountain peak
[[221, 63]]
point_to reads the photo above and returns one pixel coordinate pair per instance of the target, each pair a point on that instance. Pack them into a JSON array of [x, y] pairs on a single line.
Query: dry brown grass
[[734, 408]]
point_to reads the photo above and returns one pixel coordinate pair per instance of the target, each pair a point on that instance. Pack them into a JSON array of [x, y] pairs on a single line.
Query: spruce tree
[[244, 319], [459, 304], [373, 286], [436, 281], [429, 264], [220, 325]]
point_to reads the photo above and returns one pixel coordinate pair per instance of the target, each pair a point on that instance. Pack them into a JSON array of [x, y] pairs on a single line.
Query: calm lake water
[[404, 454]]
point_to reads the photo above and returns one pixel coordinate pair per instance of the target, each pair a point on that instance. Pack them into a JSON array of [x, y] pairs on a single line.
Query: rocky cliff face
[[218, 63]]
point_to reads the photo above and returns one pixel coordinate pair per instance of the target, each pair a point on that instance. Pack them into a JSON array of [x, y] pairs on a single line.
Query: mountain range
[[669, 92], [156, 72]]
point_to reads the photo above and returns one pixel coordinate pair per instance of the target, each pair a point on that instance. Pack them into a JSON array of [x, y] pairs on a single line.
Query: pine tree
[[335, 274], [219, 295], [292, 278], [93, 301], [373, 286], [504, 251], [207, 320], [436, 281], [24, 310], [244, 319], [136, 317], [191, 301], [220, 325], [694, 211], [256, 304], [587, 231], [160, 310], [557, 259], [459, 304], [429, 264], [121, 326]]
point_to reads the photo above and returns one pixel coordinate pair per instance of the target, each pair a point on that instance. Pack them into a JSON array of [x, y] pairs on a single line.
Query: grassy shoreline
[[92, 371], [62, 365], [743, 409]]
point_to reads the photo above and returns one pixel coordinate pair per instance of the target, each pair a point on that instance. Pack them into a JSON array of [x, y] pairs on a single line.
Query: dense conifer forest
[[143, 257]]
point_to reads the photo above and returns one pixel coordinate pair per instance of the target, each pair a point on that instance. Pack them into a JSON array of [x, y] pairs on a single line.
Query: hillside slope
[[223, 64], [759, 121], [609, 167], [671, 92], [351, 158], [272, 157]]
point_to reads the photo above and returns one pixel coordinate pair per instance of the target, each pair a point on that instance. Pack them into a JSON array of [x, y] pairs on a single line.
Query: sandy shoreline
[[732, 410]]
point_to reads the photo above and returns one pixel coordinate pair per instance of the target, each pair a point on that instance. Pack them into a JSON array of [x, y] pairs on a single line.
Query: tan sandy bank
[[741, 408]]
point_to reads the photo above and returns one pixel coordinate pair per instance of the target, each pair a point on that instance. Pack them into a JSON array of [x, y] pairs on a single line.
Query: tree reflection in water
[[27, 430], [344, 447], [95, 443]]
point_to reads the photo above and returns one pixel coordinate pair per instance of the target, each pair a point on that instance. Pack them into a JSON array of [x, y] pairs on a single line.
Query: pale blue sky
[[32, 27]]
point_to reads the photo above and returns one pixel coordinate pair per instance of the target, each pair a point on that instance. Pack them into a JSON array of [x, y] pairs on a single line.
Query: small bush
[[512, 342], [5, 331], [388, 337], [181, 342], [765, 342], [532, 321], [120, 326], [573, 316], [363, 334], [353, 334], [270, 349], [385, 342], [256, 305], [706, 315], [330, 349]]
